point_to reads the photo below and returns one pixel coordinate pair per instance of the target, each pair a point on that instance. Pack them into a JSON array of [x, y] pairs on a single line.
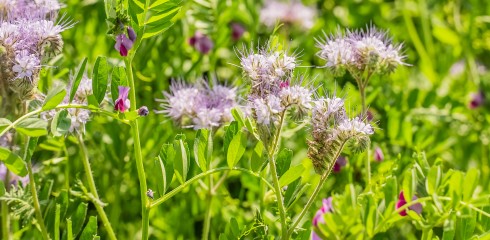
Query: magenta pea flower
[[339, 164], [122, 102], [378, 154], [318, 218], [237, 30], [123, 44], [477, 100], [401, 202], [201, 42]]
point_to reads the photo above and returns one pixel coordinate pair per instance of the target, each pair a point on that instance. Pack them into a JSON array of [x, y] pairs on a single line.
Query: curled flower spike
[[318, 218], [378, 154], [201, 42], [401, 202], [123, 44], [122, 102], [477, 100]]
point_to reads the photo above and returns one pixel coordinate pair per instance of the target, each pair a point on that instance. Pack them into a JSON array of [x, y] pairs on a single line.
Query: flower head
[[401, 202], [122, 102], [26, 65]]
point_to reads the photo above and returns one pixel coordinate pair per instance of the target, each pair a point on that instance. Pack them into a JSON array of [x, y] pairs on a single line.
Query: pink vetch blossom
[[477, 100], [123, 44], [201, 42], [378, 154], [237, 30], [401, 202], [318, 218], [339, 164], [122, 102]]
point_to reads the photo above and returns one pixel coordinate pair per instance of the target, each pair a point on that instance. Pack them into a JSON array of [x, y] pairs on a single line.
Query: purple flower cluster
[[290, 13], [360, 50], [270, 74], [200, 105], [28, 34], [331, 129]]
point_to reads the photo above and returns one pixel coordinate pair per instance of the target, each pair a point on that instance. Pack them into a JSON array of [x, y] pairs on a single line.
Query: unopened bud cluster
[[271, 73], [358, 51], [332, 130], [28, 35], [200, 105]]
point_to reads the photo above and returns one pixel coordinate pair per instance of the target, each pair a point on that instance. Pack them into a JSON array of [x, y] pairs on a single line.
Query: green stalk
[[67, 167], [275, 179], [196, 178], [209, 197], [145, 203], [93, 189], [32, 185], [315, 192]]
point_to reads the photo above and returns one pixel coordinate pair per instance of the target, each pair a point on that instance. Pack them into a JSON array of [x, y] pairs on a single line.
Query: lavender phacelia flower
[[331, 130], [359, 51], [200, 105], [294, 13], [202, 43], [122, 103], [401, 202]]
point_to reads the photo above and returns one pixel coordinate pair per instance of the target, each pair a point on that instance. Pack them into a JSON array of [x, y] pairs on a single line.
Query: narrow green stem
[[5, 220], [362, 91], [196, 178], [313, 196], [145, 203], [37, 206], [207, 216], [275, 179], [67, 167], [93, 189]]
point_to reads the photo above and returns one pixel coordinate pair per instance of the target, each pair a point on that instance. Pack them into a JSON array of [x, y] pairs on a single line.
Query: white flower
[[337, 51], [297, 95], [207, 118], [266, 110], [355, 126]]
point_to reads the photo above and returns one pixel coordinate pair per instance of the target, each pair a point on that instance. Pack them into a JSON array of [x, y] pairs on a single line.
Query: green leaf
[[2, 188], [164, 5], [78, 77], [291, 175], [165, 168], [433, 179], [78, 218], [455, 188], [470, 183], [257, 158], [283, 162], [90, 231], [409, 184], [449, 229], [200, 149], [238, 116], [236, 149], [33, 127], [230, 132], [69, 229], [54, 98], [57, 222], [13, 162], [99, 78], [4, 123], [60, 125], [160, 23], [390, 189], [119, 78], [136, 7], [182, 159]]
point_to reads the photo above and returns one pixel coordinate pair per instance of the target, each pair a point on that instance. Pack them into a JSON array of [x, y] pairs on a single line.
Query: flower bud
[[149, 193], [378, 155], [143, 111], [131, 34]]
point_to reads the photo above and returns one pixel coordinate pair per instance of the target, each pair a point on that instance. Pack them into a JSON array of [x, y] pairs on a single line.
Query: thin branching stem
[[93, 189]]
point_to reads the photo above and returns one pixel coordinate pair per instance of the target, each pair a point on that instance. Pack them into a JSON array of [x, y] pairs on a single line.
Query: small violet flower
[[123, 44], [339, 164], [318, 218], [122, 102], [477, 100], [237, 30], [201, 42], [401, 202], [378, 154]]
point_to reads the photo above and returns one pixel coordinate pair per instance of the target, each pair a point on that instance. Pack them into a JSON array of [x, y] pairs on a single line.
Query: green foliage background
[[420, 108]]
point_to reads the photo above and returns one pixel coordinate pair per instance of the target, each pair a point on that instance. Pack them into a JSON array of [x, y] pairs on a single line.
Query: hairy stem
[[32, 185], [275, 179], [313, 196], [207, 217], [93, 189], [145, 203]]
